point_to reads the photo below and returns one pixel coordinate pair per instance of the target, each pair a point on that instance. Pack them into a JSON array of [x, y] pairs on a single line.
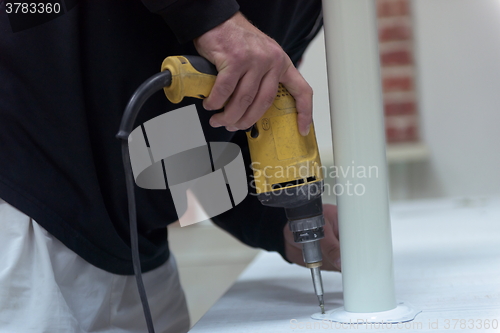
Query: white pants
[[47, 288]]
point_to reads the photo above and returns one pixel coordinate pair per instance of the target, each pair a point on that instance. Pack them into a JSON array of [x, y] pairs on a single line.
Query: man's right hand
[[250, 65]]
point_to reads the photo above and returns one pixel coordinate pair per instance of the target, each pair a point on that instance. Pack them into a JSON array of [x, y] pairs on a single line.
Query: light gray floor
[[209, 261], [447, 264]]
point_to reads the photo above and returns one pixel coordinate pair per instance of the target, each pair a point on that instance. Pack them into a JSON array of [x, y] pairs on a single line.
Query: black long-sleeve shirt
[[65, 80]]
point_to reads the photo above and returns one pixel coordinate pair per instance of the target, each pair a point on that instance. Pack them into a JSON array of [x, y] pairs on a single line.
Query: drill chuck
[[312, 254], [309, 231], [306, 223]]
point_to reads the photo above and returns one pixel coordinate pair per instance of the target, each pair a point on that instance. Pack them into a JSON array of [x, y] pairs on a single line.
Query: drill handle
[[181, 76], [192, 76]]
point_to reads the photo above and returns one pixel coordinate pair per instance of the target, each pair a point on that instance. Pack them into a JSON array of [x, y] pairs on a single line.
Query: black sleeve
[[189, 19], [251, 222]]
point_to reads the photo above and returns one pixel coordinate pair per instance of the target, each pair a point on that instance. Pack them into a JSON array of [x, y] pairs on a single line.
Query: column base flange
[[402, 313]]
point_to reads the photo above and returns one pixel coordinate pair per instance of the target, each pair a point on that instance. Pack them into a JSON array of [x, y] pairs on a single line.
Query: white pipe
[[359, 144]]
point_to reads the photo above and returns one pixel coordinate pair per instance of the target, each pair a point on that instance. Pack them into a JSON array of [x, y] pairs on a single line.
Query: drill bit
[[321, 304], [309, 231], [318, 286]]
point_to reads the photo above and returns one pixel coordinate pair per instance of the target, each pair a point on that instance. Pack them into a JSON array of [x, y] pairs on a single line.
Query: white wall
[[458, 54], [457, 50], [313, 68]]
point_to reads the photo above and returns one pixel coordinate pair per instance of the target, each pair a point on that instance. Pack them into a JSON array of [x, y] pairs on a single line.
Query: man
[[65, 263]]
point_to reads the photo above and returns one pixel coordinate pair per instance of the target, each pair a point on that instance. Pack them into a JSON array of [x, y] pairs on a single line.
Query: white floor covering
[[446, 260]]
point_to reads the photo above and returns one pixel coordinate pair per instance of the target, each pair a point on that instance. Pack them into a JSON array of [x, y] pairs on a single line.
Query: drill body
[[287, 174]]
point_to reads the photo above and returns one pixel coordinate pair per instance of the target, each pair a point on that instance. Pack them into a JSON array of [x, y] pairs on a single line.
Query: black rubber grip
[[202, 65], [311, 208]]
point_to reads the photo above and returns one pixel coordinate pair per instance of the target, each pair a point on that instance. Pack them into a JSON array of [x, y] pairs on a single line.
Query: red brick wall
[[398, 70]]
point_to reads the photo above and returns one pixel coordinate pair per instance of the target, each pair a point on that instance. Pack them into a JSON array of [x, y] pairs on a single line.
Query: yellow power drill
[[286, 165]]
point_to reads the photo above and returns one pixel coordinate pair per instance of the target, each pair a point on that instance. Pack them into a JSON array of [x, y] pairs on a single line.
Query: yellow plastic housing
[[281, 156], [186, 80]]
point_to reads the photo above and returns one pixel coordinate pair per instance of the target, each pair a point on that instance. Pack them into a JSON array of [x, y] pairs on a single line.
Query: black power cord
[[140, 96]]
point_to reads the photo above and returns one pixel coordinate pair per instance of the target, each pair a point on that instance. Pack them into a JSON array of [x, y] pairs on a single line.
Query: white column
[[359, 145]]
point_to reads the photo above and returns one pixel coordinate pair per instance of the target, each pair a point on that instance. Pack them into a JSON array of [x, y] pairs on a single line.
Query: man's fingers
[[303, 93], [330, 212], [328, 266], [330, 245], [240, 102], [223, 88], [330, 248], [294, 254], [263, 101]]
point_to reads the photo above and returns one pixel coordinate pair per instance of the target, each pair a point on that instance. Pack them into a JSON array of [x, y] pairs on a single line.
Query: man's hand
[[329, 245], [250, 65]]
